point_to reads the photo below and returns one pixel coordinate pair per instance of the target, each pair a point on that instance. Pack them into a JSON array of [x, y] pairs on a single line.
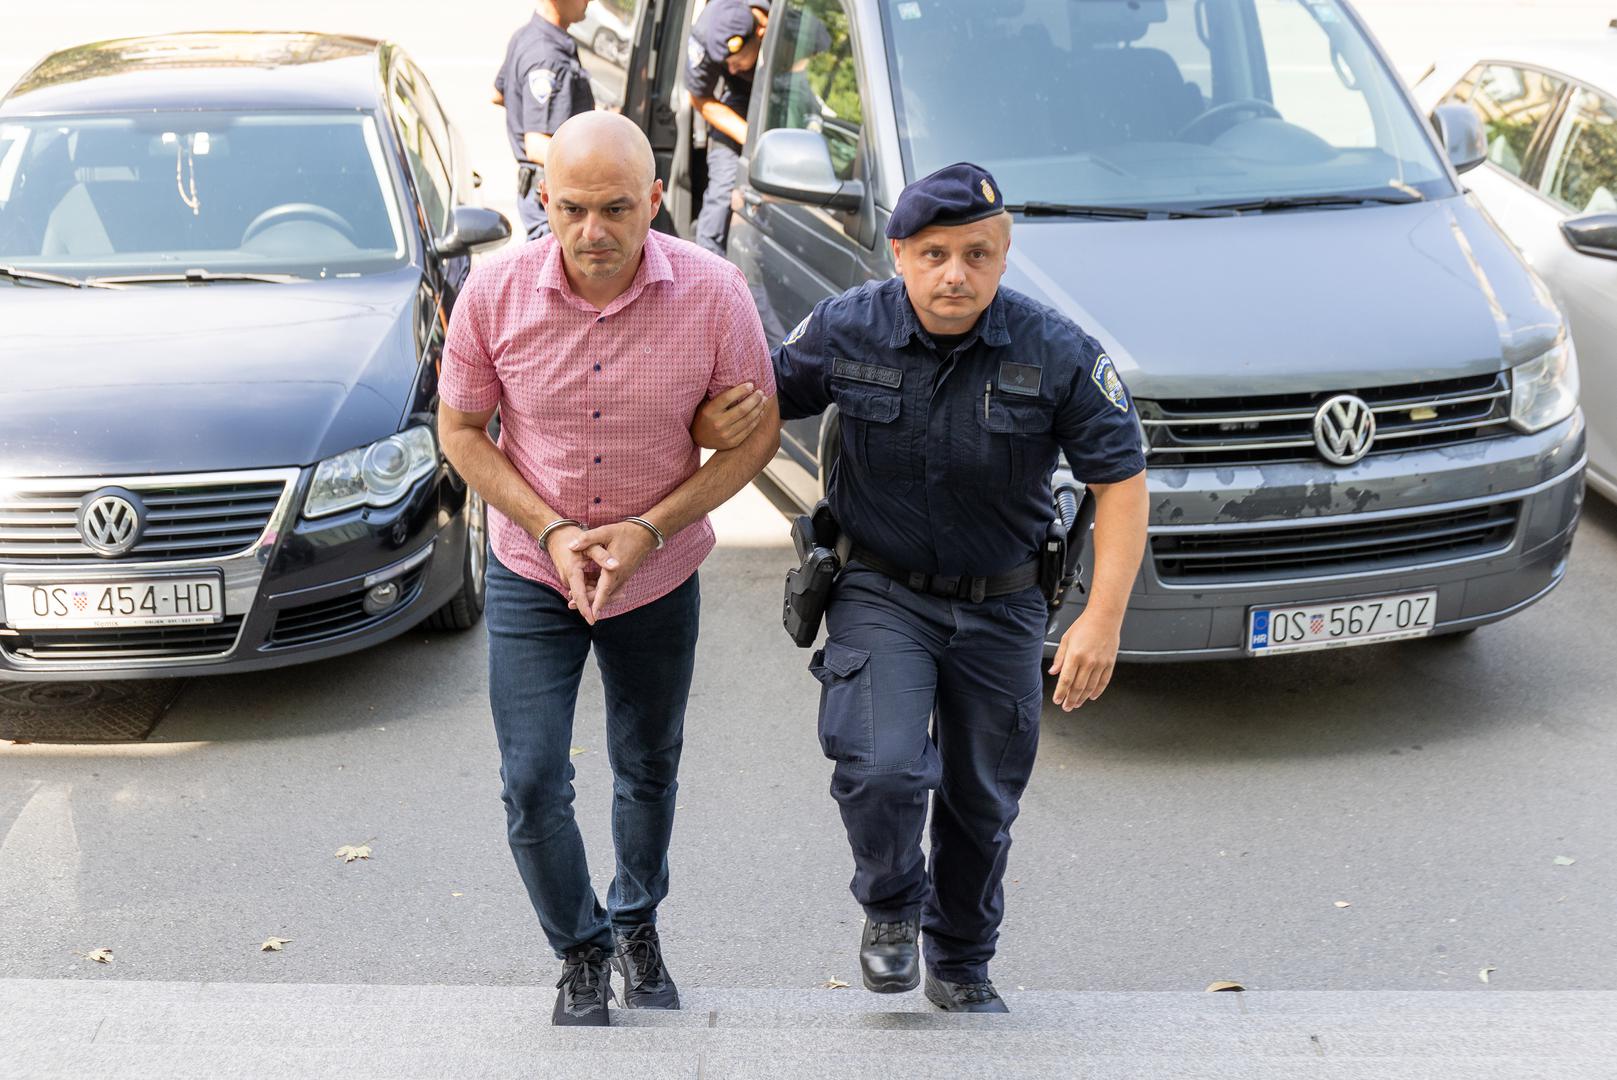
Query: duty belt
[[958, 587]]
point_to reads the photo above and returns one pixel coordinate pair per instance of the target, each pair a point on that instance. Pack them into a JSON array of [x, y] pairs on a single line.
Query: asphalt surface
[[1201, 822]]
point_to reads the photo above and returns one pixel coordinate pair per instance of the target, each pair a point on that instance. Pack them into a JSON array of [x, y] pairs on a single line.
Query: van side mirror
[[794, 164], [472, 228], [1592, 234], [1464, 141]]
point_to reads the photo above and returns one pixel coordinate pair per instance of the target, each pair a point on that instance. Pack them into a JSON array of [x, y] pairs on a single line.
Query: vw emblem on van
[[1344, 428], [110, 521]]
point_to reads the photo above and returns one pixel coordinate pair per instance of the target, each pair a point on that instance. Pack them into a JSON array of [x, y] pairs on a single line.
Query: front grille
[[1324, 549], [1273, 428], [133, 643], [182, 522], [326, 619]]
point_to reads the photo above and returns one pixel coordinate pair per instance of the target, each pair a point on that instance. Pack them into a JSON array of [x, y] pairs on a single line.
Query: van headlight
[[1544, 391], [374, 475]]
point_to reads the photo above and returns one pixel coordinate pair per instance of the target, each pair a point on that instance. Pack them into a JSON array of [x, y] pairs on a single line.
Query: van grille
[[1276, 428], [134, 643], [183, 522], [1327, 549]]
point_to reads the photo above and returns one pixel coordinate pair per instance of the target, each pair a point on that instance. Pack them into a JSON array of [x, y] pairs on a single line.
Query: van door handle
[[751, 197]]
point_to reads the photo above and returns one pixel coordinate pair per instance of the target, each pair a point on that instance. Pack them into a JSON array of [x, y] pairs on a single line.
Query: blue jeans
[[536, 656]]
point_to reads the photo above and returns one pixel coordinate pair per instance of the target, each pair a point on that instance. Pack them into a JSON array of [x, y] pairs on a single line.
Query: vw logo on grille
[[111, 520], [1344, 428]]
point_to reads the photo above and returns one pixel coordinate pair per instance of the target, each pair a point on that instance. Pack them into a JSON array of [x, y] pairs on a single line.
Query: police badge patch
[[802, 327], [541, 84], [1105, 376]]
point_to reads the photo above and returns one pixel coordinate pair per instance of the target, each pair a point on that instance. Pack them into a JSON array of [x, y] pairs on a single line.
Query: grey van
[[1359, 405]]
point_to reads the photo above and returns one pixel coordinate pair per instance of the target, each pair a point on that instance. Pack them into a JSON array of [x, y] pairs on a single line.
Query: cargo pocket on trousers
[[1016, 763], [847, 719]]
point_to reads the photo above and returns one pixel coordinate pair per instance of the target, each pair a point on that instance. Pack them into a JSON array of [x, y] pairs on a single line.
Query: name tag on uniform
[[1020, 378], [868, 373]]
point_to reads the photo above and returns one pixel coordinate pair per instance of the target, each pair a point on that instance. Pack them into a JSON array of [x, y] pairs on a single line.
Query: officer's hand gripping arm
[[724, 422]]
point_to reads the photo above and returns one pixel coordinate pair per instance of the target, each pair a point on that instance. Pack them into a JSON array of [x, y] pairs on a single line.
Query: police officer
[[955, 396], [721, 56], [541, 84]]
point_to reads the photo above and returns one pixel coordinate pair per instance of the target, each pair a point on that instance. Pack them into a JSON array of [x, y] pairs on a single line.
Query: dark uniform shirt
[[706, 74], [947, 456], [542, 80]]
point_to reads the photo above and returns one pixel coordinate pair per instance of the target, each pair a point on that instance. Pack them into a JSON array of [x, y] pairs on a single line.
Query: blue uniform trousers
[[713, 222], [921, 694], [532, 212], [536, 655]]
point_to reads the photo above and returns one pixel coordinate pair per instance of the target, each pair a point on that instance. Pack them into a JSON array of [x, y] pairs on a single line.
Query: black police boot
[[964, 997], [586, 987], [888, 956], [639, 959]]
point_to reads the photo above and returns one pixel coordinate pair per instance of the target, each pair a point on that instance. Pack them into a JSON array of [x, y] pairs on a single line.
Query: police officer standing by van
[[541, 84], [720, 58], [955, 396]]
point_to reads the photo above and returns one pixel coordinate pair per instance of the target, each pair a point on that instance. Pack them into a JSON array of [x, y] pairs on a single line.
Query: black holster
[[527, 177], [808, 585], [1064, 542]]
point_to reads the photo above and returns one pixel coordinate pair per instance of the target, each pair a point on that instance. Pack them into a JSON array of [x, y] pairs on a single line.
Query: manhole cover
[[84, 712]]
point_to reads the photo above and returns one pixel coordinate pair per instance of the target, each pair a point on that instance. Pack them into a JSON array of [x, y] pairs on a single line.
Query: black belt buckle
[[979, 589]]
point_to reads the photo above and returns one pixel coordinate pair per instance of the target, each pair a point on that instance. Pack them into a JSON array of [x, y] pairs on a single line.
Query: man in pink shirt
[[598, 344]]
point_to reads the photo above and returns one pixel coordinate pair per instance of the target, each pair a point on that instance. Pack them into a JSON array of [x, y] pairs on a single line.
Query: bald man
[[598, 344]]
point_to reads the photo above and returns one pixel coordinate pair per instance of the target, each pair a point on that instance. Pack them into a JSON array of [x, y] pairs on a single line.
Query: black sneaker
[[586, 987], [889, 958], [979, 997], [639, 959]]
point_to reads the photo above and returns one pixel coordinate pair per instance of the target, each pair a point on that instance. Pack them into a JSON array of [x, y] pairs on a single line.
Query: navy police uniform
[[931, 674], [544, 84], [721, 31]]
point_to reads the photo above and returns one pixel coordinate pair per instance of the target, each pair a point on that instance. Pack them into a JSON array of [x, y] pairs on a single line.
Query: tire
[[462, 612]]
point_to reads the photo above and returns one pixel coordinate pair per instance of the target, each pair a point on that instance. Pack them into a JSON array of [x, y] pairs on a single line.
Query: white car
[[604, 30], [1550, 114]]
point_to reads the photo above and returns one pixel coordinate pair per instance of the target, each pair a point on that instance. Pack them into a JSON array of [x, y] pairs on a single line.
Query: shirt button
[[597, 414], [597, 367], [597, 459], [597, 499]]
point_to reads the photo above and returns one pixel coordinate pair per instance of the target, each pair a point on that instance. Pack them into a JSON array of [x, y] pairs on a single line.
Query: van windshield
[[1154, 103], [300, 194]]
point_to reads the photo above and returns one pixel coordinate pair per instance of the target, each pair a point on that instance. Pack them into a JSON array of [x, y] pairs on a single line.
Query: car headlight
[[1544, 390], [374, 475]]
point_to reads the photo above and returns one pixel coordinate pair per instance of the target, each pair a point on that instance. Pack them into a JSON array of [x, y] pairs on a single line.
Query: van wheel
[[462, 612]]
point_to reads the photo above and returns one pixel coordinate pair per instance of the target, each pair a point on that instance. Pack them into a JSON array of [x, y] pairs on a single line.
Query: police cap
[[956, 194], [733, 24]]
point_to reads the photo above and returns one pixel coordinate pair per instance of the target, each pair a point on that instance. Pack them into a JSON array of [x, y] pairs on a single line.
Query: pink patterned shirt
[[596, 405]]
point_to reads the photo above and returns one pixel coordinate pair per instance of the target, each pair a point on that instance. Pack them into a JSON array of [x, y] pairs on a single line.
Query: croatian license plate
[[1339, 623], [166, 601]]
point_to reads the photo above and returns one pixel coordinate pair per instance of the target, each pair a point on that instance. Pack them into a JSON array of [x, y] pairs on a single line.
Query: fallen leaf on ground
[[350, 852], [457, 894], [1344, 903], [1212, 987], [100, 956], [835, 984], [1563, 860], [577, 750], [1483, 974], [273, 944]]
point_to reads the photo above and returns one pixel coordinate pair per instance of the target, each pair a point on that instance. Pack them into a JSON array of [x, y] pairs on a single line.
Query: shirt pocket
[[1008, 445], [873, 431]]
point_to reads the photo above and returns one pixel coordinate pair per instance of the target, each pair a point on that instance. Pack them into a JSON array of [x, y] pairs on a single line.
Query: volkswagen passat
[[226, 265]]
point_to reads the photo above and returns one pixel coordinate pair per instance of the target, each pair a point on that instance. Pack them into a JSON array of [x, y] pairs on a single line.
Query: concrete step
[[136, 1029]]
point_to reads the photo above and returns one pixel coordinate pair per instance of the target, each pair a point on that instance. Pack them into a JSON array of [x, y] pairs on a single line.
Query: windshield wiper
[[1302, 202], [194, 276], [18, 274], [1131, 213]]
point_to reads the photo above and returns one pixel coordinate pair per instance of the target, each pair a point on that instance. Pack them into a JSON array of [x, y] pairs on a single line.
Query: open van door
[[655, 99]]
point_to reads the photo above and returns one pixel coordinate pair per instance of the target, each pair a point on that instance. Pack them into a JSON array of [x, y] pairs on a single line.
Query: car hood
[[186, 378], [1293, 301]]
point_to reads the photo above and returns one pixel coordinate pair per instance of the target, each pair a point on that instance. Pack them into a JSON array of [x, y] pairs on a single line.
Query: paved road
[[1199, 823]]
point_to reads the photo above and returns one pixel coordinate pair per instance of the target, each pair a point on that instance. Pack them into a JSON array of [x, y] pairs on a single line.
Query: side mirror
[[1592, 234], [472, 228], [1460, 128], [794, 164]]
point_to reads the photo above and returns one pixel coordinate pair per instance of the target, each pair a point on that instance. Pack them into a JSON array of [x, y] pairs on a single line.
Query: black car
[[227, 263]]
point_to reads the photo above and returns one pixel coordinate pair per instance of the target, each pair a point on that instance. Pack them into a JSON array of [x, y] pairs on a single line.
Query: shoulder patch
[[1106, 378], [541, 84], [798, 331]]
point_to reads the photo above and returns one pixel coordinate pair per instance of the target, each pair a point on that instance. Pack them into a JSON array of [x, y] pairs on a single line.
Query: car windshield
[[304, 194], [1154, 103]]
